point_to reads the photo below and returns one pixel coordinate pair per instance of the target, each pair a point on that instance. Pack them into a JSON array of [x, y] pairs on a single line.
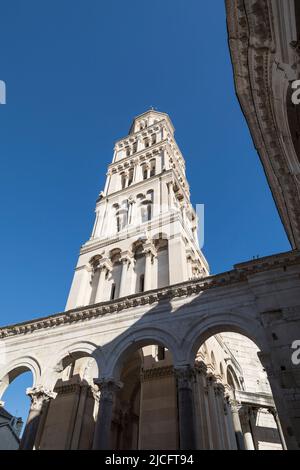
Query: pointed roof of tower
[[152, 112]]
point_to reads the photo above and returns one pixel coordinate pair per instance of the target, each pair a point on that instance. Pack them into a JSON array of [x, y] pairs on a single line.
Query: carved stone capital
[[126, 257], [149, 249], [38, 396], [296, 46], [201, 368], [105, 264], [185, 376], [108, 387], [235, 405], [211, 380]]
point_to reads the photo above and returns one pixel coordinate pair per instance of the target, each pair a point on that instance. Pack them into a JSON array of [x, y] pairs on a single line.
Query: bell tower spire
[[145, 231]]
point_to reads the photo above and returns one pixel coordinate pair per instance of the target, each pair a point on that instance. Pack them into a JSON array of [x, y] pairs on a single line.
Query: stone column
[[131, 203], [78, 418], [108, 388], [126, 258], [170, 197], [136, 173], [229, 425], [203, 425], [219, 394], [104, 268], [248, 438], [187, 433], [84, 293], [177, 260], [39, 397], [237, 424], [213, 411], [150, 252], [273, 411], [284, 407], [189, 267]]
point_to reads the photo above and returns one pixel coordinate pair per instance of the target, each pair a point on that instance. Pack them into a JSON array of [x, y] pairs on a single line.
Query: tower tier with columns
[[145, 231]]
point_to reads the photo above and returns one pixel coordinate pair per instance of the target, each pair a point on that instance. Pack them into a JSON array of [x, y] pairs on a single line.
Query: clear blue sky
[[77, 72]]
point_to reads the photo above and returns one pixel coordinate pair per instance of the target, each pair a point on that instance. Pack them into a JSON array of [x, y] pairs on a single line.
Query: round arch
[[232, 378], [137, 339], [17, 367], [200, 331], [76, 350]]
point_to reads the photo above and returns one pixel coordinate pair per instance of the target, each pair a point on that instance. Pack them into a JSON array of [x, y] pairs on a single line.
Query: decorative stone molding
[[185, 289], [185, 376], [262, 59], [157, 373], [69, 388], [38, 396]]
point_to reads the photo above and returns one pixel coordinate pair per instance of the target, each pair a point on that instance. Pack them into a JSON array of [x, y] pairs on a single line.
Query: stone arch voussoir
[[122, 347], [211, 325], [15, 367]]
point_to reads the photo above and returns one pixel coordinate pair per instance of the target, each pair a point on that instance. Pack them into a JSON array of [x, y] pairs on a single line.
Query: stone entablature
[[186, 290]]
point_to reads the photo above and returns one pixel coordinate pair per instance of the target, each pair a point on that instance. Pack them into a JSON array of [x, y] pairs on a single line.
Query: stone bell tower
[[145, 232]]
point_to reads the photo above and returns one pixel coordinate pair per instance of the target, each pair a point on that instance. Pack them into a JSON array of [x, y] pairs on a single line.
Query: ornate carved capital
[[185, 376], [201, 368], [126, 257], [105, 264], [296, 46], [38, 396], [149, 249], [235, 405], [108, 387]]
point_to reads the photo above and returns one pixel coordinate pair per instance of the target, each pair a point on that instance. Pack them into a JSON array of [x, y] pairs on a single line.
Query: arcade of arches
[[226, 393]]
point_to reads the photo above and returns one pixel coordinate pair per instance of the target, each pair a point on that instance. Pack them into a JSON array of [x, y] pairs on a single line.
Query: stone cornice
[[156, 222], [131, 137], [126, 162], [157, 373], [136, 185], [185, 289]]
